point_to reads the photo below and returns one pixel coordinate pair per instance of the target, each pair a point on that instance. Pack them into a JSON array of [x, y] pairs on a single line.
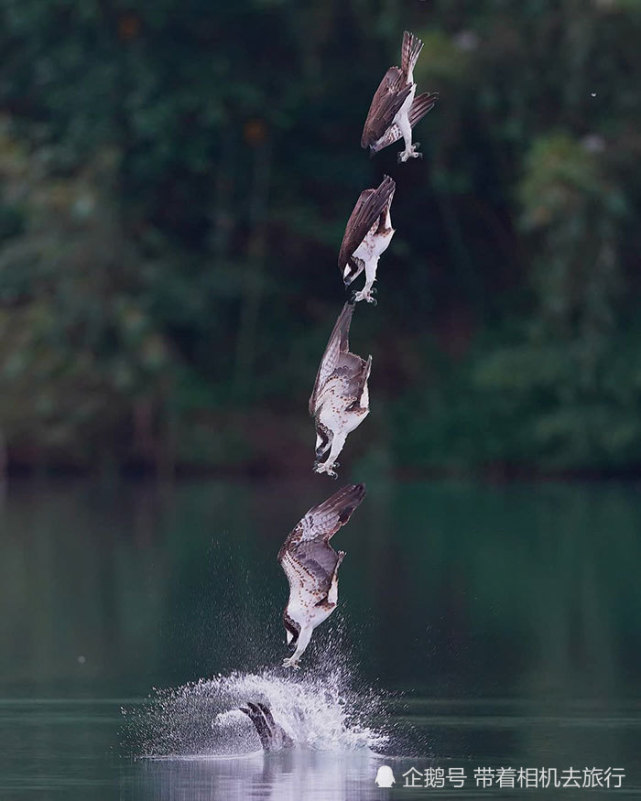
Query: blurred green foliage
[[175, 182]]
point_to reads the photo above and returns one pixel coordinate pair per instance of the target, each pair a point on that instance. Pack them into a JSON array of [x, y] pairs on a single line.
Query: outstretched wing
[[419, 108], [309, 568], [338, 344], [323, 521], [256, 713], [307, 557], [369, 207], [421, 105], [392, 92]]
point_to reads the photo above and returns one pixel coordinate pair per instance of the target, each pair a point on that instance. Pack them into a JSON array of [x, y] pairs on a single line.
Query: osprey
[[367, 235], [272, 736], [395, 110], [311, 566], [340, 398]]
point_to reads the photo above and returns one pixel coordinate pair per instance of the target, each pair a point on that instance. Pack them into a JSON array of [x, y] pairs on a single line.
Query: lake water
[[481, 630]]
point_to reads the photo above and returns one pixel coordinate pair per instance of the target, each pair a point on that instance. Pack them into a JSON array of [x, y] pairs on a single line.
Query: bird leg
[[338, 441], [302, 642], [411, 150], [367, 292]]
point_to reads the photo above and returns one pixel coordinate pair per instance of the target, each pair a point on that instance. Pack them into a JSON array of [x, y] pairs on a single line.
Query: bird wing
[[338, 344], [323, 521], [307, 558], [421, 105], [347, 381], [392, 92], [359, 380], [419, 108], [369, 207], [256, 713], [309, 567]]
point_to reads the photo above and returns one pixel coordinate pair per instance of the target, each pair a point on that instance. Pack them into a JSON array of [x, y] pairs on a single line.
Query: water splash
[[319, 709]]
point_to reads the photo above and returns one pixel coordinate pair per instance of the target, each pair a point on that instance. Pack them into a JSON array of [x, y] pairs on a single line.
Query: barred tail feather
[[410, 51]]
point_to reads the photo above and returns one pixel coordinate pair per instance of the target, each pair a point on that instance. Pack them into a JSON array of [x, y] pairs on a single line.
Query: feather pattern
[[419, 108], [394, 110], [307, 558], [371, 204], [311, 566], [337, 349], [388, 99], [340, 399], [410, 51]]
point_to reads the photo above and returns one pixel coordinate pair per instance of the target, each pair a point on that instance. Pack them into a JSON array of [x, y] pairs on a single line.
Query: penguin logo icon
[[385, 777]]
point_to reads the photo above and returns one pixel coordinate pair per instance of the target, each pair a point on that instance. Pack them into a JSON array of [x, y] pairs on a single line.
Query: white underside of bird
[[311, 566], [302, 607], [368, 253], [402, 122], [335, 412]]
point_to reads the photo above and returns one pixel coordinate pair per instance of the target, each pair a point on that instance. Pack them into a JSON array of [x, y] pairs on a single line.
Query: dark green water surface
[[479, 627]]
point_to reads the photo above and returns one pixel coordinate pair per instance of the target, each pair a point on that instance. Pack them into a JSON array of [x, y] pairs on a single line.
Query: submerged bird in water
[[395, 110], [340, 398], [367, 235], [272, 735], [311, 566]]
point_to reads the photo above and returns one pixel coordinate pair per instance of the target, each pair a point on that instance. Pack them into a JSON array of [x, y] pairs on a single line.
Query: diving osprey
[[340, 398], [272, 736], [311, 566], [367, 234], [395, 110]]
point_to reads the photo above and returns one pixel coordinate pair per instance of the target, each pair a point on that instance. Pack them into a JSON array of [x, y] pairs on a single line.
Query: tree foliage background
[[176, 177]]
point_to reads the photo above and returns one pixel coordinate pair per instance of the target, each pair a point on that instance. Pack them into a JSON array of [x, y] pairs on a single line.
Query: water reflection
[[291, 775], [525, 596]]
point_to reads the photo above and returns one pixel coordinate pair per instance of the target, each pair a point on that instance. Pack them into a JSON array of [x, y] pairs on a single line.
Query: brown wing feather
[[357, 385], [369, 207], [338, 343], [392, 92], [323, 521], [419, 108], [421, 105]]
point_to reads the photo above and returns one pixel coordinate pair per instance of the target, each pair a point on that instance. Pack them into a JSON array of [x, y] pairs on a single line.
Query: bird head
[[292, 630], [350, 271], [323, 441]]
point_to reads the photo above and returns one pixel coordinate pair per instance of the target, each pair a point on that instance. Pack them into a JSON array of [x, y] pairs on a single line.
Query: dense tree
[[176, 177]]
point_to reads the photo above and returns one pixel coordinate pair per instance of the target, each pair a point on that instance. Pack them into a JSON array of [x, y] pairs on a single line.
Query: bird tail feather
[[410, 51]]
